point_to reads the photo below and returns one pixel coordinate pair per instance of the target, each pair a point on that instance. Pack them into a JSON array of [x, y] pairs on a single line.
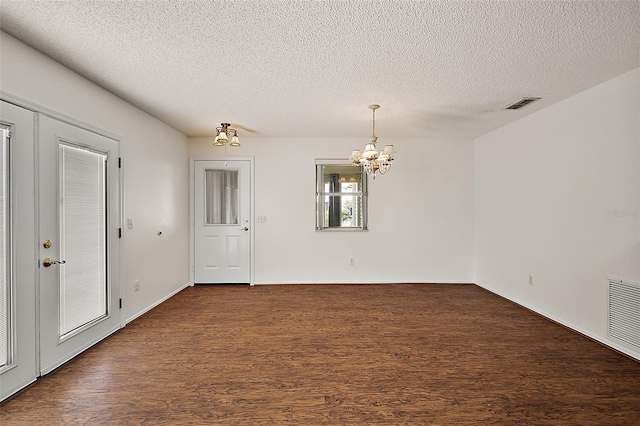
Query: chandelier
[[223, 133], [370, 160]]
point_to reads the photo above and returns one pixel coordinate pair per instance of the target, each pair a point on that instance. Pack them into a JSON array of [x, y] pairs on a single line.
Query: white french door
[[59, 248], [222, 221], [79, 206], [18, 351]]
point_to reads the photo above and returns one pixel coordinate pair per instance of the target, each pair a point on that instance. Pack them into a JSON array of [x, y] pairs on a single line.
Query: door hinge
[[119, 232], [120, 303], [119, 162]]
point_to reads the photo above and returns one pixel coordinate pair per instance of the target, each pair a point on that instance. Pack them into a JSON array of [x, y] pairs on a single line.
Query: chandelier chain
[[373, 135]]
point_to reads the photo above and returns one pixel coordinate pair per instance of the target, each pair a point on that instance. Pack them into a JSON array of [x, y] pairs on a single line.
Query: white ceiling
[[311, 68]]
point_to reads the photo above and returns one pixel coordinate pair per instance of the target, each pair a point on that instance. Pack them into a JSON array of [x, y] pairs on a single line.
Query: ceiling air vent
[[522, 102]]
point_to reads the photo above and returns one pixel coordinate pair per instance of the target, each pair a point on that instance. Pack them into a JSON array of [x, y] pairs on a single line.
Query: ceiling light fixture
[[222, 135], [370, 160]]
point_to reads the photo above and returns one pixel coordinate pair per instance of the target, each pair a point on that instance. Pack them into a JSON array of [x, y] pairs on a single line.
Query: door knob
[[47, 261], [244, 229]]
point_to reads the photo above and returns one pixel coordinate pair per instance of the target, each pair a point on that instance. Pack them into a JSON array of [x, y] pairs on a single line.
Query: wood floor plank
[[415, 354]]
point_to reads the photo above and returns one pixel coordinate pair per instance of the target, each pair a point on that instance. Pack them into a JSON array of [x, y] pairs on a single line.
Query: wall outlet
[[530, 279], [352, 261], [261, 219], [136, 285]]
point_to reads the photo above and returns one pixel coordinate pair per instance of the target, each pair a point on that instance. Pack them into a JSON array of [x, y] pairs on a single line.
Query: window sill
[[341, 230]]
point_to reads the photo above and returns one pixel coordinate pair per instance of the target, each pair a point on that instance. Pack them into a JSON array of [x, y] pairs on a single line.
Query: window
[[222, 199], [341, 196], [82, 215]]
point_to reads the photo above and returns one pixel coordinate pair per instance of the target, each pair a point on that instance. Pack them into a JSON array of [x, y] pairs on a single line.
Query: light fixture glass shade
[[356, 156], [235, 141], [223, 137], [370, 152], [217, 141]]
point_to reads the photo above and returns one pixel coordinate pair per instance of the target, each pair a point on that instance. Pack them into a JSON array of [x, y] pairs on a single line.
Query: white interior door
[[18, 365], [222, 221], [79, 250]]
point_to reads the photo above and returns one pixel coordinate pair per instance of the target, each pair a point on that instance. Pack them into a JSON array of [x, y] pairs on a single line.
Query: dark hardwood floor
[[414, 354]]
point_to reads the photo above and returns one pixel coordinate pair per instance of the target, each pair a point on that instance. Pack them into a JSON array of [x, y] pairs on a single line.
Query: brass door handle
[[47, 261]]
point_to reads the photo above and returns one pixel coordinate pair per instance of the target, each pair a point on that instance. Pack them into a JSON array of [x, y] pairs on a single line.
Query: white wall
[[543, 186], [420, 213], [156, 168]]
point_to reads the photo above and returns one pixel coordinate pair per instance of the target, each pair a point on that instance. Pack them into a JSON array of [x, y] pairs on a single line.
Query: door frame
[[192, 212], [37, 108]]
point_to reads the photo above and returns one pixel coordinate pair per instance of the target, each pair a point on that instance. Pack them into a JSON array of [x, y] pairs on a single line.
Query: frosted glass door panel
[[83, 276], [5, 281], [221, 197]]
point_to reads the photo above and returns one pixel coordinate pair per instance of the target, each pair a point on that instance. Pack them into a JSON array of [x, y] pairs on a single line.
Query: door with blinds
[[222, 209], [79, 208], [18, 357]]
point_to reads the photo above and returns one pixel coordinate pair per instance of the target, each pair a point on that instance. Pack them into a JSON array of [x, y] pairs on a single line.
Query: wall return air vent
[[522, 102], [624, 312]]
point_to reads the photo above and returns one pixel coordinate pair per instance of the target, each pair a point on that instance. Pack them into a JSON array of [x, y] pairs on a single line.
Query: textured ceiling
[[311, 68]]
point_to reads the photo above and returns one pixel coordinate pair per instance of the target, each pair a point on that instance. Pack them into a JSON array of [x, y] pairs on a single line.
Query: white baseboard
[[357, 282], [603, 340], [167, 297]]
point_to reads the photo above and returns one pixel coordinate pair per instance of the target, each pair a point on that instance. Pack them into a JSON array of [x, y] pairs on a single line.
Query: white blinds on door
[[5, 282], [83, 278], [221, 197]]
